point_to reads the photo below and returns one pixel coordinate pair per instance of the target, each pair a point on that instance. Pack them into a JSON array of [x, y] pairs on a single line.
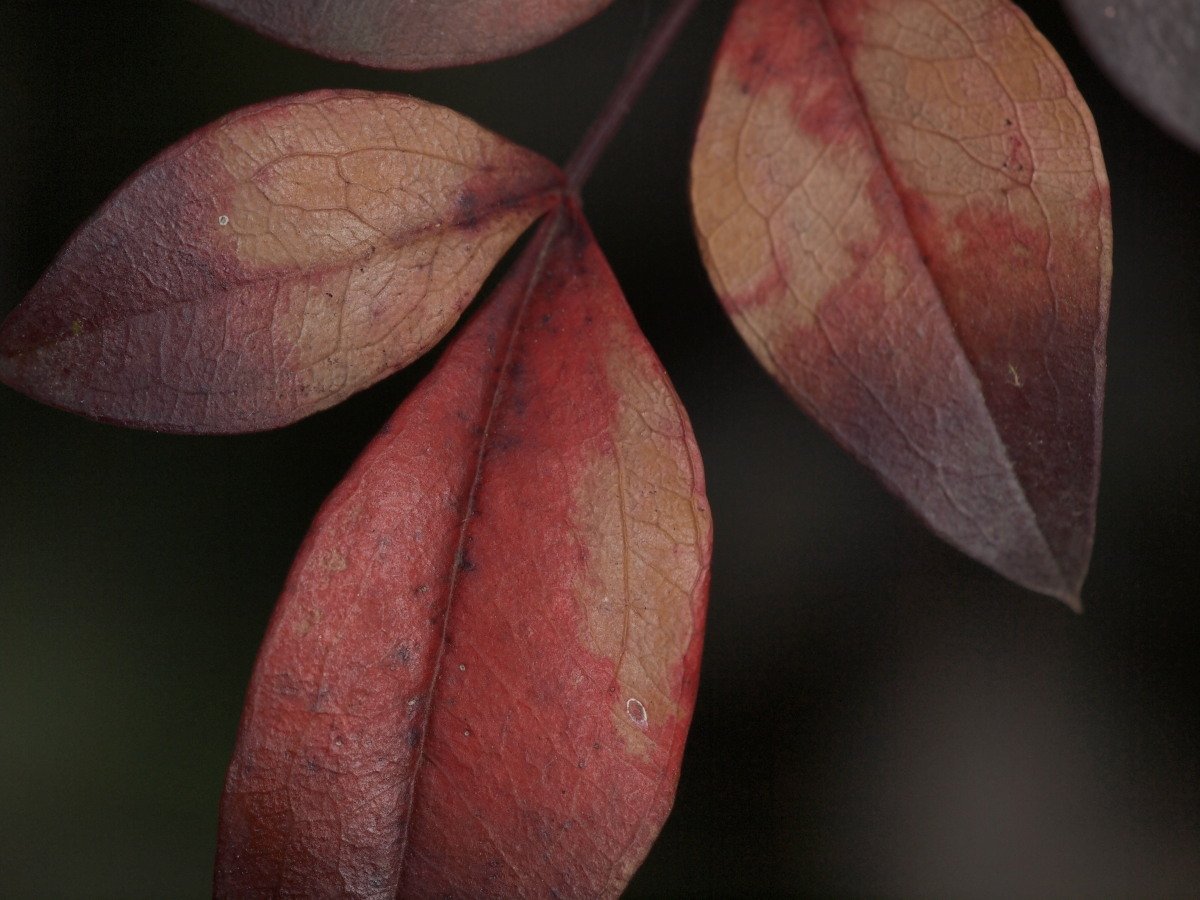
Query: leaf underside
[[480, 674], [421, 35], [274, 263], [904, 209]]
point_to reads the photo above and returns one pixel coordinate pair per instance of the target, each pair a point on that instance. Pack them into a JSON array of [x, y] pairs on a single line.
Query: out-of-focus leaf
[[1151, 50], [401, 34], [274, 263], [903, 207], [480, 674]]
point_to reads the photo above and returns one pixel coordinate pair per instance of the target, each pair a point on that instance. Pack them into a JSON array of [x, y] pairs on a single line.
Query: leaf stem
[[608, 123]]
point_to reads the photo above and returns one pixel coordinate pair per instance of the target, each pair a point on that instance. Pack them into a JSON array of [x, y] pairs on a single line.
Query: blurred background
[[879, 717]]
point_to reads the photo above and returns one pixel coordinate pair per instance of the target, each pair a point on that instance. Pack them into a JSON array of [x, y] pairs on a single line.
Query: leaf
[[1151, 50], [904, 209], [480, 674], [273, 263], [406, 35]]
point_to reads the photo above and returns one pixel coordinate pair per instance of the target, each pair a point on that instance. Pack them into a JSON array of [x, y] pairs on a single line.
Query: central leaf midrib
[[545, 238], [883, 157]]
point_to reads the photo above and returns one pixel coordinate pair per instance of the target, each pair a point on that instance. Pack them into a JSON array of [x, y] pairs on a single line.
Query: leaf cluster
[[465, 219]]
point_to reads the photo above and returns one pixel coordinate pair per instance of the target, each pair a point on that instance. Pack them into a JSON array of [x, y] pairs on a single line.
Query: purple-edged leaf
[[903, 207], [400, 34], [273, 263]]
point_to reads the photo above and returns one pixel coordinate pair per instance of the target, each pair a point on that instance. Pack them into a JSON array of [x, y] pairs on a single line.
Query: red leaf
[[274, 263], [481, 671], [904, 209], [407, 35]]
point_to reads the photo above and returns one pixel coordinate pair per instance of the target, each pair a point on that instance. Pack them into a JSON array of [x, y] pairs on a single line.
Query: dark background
[[879, 717]]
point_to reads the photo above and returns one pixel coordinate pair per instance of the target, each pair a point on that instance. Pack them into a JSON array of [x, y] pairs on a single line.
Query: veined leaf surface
[[481, 672], [274, 263], [903, 207], [389, 34]]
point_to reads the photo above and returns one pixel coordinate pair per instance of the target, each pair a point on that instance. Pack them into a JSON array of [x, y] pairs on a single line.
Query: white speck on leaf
[[637, 712], [222, 220]]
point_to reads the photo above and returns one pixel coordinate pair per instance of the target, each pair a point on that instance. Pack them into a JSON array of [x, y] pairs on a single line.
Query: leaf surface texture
[[904, 209], [480, 674], [274, 263]]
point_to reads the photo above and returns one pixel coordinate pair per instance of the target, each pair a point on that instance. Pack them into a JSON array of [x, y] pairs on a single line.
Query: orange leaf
[[480, 674], [903, 207], [405, 35], [274, 263]]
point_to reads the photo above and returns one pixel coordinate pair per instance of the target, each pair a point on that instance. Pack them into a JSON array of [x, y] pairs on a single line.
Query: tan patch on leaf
[[900, 204], [275, 263]]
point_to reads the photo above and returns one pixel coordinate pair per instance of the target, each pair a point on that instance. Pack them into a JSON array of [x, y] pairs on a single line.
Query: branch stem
[[629, 88]]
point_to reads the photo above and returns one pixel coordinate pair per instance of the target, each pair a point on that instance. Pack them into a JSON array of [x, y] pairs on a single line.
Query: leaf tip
[[1073, 600]]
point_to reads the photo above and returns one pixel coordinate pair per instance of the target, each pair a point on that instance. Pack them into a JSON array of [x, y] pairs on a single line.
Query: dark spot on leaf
[[414, 736], [286, 685], [403, 653], [500, 443], [466, 210]]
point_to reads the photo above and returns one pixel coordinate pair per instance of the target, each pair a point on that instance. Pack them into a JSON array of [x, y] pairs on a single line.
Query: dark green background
[[878, 716]]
